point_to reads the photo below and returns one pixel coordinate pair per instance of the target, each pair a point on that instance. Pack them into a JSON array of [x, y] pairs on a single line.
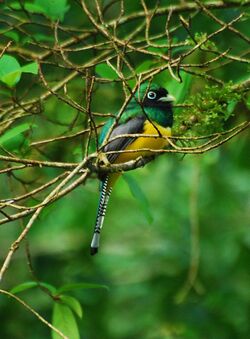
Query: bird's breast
[[153, 140]]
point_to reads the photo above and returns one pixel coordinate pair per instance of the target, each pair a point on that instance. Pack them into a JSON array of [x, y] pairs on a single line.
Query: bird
[[148, 112]]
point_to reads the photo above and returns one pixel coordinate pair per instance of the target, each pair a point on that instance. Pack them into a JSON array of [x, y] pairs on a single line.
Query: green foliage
[[105, 71], [65, 307], [15, 139], [180, 90], [10, 34], [73, 304], [209, 110], [139, 195], [10, 70], [64, 320], [144, 66], [201, 37], [30, 284], [54, 9]]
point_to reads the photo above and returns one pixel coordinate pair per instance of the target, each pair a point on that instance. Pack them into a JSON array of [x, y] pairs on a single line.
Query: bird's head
[[152, 95], [155, 101]]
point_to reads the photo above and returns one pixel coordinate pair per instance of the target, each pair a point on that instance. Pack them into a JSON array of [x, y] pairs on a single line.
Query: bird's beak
[[168, 98]]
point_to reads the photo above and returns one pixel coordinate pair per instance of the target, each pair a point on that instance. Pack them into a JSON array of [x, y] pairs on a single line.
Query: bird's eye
[[151, 95]]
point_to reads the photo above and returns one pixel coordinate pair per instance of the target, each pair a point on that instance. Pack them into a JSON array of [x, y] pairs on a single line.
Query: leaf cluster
[[208, 111], [65, 307]]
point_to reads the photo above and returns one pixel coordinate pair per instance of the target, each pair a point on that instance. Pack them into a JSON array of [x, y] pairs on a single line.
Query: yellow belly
[[140, 143], [156, 143]]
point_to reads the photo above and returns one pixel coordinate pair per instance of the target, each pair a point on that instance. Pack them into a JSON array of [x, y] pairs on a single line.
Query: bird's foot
[[102, 159]]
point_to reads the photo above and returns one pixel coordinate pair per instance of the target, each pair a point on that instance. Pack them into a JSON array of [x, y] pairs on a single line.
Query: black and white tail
[[103, 201]]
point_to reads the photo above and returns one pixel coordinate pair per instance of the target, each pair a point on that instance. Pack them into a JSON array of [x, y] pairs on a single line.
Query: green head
[[154, 101]]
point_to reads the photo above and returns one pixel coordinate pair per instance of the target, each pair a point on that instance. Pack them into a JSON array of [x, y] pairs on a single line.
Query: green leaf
[[54, 9], [26, 40], [230, 107], [8, 64], [15, 5], [12, 35], [30, 284], [139, 195], [248, 101], [12, 78], [33, 8], [10, 134], [22, 287], [43, 37], [63, 319], [10, 70], [144, 66], [79, 286], [49, 287], [73, 303], [30, 68], [159, 50], [5, 91], [180, 90], [104, 71]]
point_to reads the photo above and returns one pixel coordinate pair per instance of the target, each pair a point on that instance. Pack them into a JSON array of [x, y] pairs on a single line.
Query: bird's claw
[[102, 159]]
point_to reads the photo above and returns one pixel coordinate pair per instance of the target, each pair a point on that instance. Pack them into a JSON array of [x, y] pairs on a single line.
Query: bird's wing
[[132, 126]]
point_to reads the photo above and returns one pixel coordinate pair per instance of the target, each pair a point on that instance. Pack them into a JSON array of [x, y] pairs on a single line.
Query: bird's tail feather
[[103, 201]]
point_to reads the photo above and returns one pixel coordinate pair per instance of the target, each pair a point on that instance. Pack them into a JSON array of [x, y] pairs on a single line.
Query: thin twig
[[36, 314]]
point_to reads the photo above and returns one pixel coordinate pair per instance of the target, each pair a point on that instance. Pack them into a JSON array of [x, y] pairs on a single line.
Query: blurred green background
[[176, 262], [146, 265]]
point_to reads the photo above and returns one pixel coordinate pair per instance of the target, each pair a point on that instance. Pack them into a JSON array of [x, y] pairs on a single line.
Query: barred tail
[[103, 201]]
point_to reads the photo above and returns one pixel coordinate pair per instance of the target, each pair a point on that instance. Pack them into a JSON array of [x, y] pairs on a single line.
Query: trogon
[[148, 112]]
